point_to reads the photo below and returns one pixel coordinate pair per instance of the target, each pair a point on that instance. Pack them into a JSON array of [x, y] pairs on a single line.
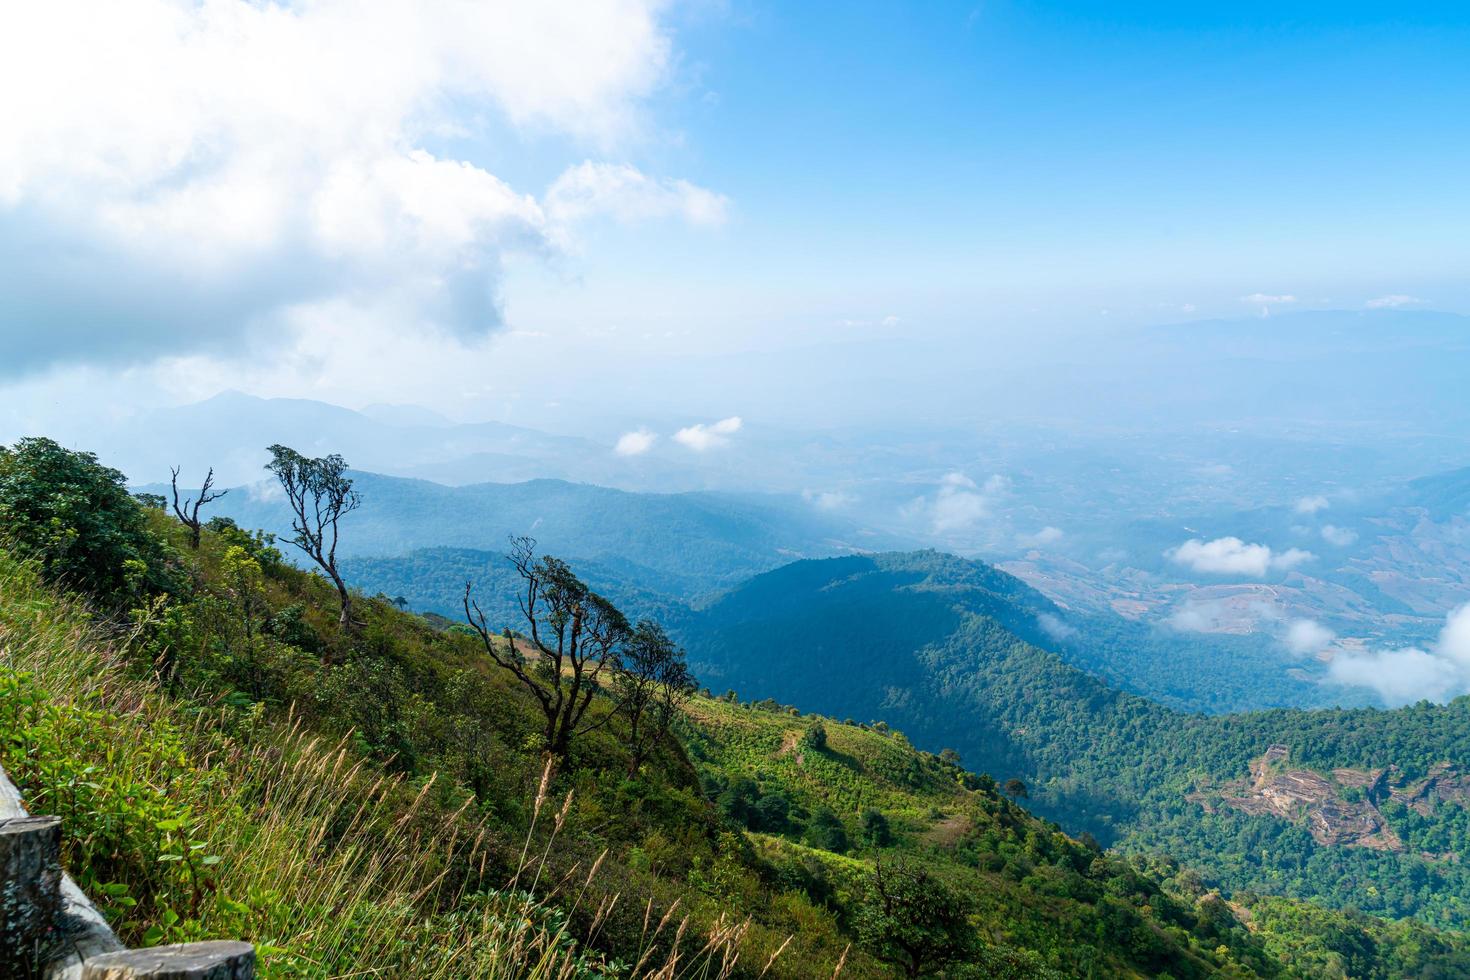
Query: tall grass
[[187, 820]]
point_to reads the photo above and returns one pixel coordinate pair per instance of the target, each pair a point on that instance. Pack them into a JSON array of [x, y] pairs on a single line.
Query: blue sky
[[1134, 154], [373, 202]]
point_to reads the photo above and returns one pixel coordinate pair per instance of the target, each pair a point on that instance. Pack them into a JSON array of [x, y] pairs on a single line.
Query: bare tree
[[653, 685], [575, 637], [320, 494], [188, 511]]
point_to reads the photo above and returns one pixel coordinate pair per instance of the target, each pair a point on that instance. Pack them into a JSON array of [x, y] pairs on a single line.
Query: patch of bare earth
[[1301, 795], [948, 831]]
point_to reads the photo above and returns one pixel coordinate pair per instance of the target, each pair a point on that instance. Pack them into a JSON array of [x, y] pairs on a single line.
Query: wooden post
[[190, 961], [30, 892]]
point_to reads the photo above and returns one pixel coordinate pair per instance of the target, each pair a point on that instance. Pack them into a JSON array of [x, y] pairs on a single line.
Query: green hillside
[[926, 642], [229, 762], [232, 761]]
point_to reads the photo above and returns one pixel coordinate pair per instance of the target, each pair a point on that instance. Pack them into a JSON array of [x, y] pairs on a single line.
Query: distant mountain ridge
[[685, 544]]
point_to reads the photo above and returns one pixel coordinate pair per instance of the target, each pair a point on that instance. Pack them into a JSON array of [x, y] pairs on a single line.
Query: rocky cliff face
[[1338, 809], [1445, 783]]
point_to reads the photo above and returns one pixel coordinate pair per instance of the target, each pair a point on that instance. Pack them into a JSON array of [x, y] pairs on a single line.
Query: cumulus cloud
[[700, 437], [175, 176], [1411, 674], [624, 193], [635, 443], [1311, 505], [1339, 537], [1047, 535], [1305, 637], [959, 503], [1232, 556], [1392, 301]]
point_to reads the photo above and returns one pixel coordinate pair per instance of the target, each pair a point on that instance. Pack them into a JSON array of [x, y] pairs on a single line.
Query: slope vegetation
[[1355, 808], [229, 762]]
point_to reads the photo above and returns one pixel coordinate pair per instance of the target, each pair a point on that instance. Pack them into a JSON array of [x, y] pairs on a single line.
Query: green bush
[[75, 517]]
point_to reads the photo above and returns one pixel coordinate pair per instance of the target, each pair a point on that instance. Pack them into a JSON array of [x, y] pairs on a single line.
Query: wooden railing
[[50, 930]]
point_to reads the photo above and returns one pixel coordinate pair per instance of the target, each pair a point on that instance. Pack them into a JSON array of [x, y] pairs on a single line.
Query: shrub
[[75, 517]]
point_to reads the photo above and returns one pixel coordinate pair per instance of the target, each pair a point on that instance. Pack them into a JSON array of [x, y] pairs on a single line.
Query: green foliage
[[874, 829], [825, 831], [931, 643], [131, 826], [911, 919], [76, 518], [1047, 902], [814, 738]]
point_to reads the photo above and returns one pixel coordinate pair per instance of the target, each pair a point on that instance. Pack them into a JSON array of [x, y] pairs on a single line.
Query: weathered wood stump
[[190, 961], [30, 892]]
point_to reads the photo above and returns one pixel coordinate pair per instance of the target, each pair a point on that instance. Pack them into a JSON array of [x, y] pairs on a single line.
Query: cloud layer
[[1232, 556], [1411, 674], [176, 175]]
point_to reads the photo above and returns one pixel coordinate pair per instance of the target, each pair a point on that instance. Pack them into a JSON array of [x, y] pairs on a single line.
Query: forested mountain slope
[[230, 760], [1362, 808]]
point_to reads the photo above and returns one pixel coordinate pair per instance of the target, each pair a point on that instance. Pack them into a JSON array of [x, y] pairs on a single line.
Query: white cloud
[[635, 443], [959, 503], [265, 491], [1222, 615], [1410, 674], [1053, 626], [1232, 556], [1305, 637], [700, 437], [828, 499], [1047, 535], [210, 170], [1196, 616], [1392, 301], [622, 192], [1339, 537], [1311, 505], [956, 508], [890, 321]]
